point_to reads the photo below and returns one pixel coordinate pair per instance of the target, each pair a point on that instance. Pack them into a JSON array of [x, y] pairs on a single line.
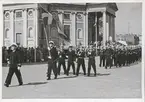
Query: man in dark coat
[[91, 62], [71, 58], [52, 59], [61, 60], [102, 56], [14, 66], [108, 56], [81, 61]]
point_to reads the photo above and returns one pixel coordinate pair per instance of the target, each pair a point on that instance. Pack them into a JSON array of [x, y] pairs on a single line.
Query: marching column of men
[[119, 56], [110, 55], [72, 56]]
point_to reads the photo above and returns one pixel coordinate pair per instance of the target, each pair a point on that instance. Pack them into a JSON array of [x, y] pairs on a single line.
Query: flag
[[59, 26], [61, 32], [48, 16]]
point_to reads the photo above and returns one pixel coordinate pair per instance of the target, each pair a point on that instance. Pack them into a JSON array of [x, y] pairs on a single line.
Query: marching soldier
[[91, 62], [52, 59], [71, 58], [61, 60], [102, 56], [81, 61], [108, 56], [118, 56], [14, 63]]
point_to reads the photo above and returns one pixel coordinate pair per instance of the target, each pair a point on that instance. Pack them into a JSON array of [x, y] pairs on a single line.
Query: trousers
[[10, 74]]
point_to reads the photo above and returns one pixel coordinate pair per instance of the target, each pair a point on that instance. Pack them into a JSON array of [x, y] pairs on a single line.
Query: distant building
[[131, 39], [140, 39], [82, 23]]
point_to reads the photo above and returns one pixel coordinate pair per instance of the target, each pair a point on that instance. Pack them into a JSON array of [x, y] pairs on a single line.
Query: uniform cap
[[51, 42], [14, 44], [70, 45]]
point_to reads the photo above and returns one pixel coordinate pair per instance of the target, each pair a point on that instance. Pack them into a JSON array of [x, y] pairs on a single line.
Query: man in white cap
[[14, 63], [52, 59]]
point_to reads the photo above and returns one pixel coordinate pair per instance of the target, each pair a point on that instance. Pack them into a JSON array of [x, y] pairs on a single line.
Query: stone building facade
[[82, 23]]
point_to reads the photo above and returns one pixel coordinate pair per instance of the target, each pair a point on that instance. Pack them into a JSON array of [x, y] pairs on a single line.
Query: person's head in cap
[[70, 47], [61, 47], [81, 48], [13, 47], [51, 43]]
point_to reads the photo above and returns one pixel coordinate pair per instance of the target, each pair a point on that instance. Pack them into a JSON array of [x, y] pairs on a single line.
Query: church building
[[82, 23]]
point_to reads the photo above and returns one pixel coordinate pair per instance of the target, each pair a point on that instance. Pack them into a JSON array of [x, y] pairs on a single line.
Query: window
[[18, 14], [79, 17], [80, 35], [30, 13], [67, 16], [30, 34], [7, 15], [7, 34], [67, 30]]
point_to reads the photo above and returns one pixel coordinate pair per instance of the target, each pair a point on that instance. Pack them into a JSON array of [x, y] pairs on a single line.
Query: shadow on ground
[[33, 83], [65, 77]]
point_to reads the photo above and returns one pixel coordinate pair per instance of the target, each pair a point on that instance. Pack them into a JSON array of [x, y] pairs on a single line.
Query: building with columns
[[82, 23]]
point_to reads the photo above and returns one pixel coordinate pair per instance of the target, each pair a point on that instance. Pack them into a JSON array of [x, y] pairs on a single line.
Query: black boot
[[6, 85], [55, 77], [20, 84], [48, 78]]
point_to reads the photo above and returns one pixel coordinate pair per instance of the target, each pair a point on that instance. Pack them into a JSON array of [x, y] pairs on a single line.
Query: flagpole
[[44, 26], [45, 33]]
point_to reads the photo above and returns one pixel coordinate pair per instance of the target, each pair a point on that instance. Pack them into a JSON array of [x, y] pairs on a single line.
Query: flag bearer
[[52, 59]]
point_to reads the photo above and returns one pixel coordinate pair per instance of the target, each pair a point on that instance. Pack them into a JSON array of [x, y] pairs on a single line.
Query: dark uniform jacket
[[80, 56], [91, 56], [108, 53], [53, 53], [71, 56], [62, 56], [14, 59], [102, 52]]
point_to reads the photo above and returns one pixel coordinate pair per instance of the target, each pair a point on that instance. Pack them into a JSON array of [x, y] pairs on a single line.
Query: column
[[12, 26], [84, 31], [73, 42], [110, 27], [36, 27], [107, 28], [104, 28], [114, 34], [96, 30], [86, 28], [25, 27], [3, 28]]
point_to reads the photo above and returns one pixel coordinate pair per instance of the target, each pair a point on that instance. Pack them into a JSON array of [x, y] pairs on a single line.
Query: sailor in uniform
[[80, 60], [91, 62], [14, 63], [52, 59]]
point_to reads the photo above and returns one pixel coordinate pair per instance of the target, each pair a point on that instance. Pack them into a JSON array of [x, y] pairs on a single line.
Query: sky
[[129, 15]]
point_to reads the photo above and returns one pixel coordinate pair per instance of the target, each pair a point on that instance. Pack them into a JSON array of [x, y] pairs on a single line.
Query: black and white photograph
[[72, 50]]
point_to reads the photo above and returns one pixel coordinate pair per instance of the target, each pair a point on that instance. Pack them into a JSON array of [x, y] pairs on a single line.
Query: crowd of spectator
[[28, 55]]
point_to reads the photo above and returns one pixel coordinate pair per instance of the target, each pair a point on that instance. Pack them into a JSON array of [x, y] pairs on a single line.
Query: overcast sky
[[128, 14]]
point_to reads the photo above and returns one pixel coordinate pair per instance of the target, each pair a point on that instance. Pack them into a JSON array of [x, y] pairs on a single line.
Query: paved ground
[[122, 82]]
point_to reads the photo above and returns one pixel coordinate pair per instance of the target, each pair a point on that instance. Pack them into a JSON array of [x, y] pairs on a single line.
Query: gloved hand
[[19, 68], [49, 57]]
